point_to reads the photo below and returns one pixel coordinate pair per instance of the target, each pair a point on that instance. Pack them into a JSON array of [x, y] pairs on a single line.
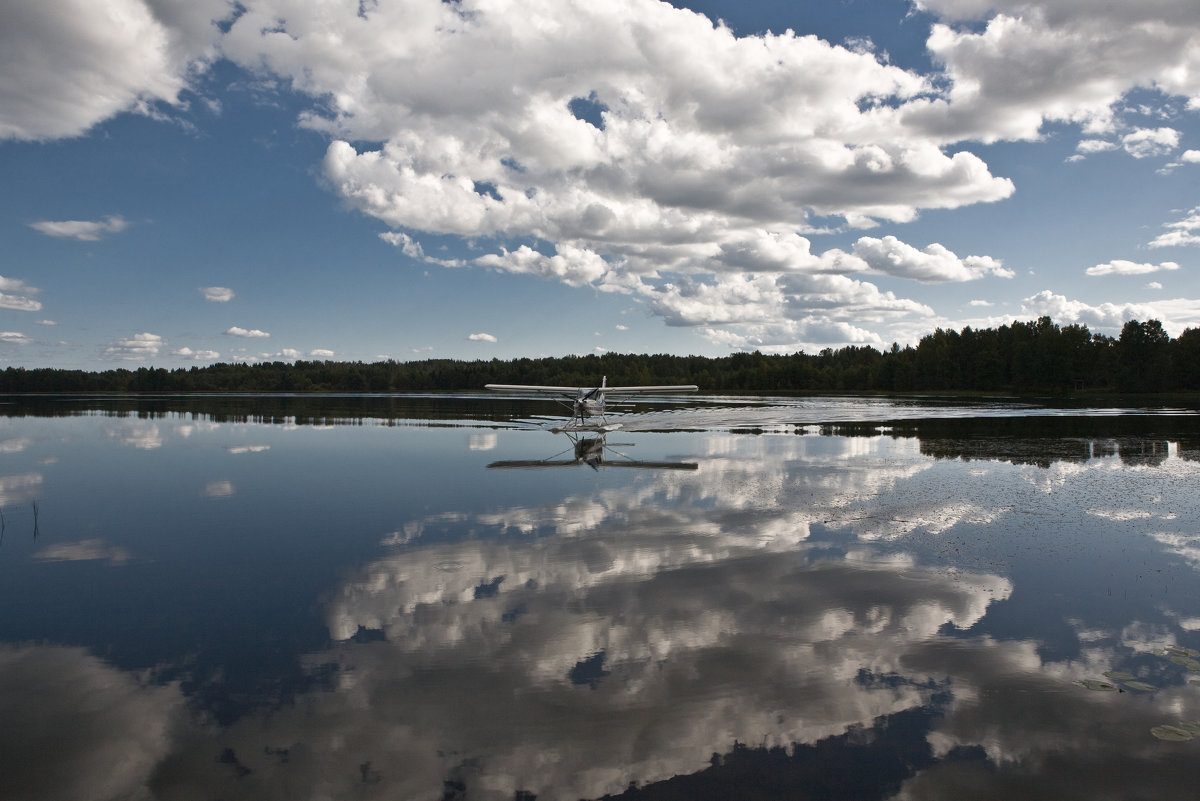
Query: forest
[[1022, 357]]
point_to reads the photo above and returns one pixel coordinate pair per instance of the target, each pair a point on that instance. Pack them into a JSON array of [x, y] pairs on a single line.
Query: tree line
[[1023, 357]]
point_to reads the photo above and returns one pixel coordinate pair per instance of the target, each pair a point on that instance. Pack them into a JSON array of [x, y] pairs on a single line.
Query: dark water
[[431, 598]]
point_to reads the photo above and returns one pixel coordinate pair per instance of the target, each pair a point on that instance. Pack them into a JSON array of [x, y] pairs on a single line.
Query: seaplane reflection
[[591, 449]]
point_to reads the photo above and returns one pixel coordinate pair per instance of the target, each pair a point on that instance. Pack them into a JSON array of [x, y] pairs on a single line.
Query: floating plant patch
[[1096, 684], [1175, 734], [1140, 685], [1118, 675], [1186, 661]]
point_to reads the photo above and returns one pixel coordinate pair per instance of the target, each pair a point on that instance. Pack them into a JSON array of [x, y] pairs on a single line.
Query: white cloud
[[571, 265], [1089, 146], [409, 246], [83, 230], [217, 294], [1146, 142], [254, 333], [983, 303], [1109, 317], [321, 353], [1190, 157], [481, 338], [1154, 285], [73, 63], [1122, 267], [779, 310], [21, 301], [1032, 61], [197, 355], [935, 263], [46, 322], [138, 347], [620, 327], [1183, 232], [14, 338]]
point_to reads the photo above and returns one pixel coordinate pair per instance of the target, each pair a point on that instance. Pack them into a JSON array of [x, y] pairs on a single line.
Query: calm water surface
[[430, 597]]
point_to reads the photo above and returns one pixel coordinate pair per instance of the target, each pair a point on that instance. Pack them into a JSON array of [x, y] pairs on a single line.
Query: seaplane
[[587, 404]]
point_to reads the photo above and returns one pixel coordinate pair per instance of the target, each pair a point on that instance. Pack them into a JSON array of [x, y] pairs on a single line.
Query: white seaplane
[[587, 404]]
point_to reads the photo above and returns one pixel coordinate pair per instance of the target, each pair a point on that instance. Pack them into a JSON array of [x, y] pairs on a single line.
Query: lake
[[435, 597]]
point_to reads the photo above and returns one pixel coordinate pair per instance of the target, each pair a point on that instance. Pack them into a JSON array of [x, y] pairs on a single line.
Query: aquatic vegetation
[[1172, 733]]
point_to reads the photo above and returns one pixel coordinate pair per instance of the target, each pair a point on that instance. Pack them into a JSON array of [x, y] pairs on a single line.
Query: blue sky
[[191, 182]]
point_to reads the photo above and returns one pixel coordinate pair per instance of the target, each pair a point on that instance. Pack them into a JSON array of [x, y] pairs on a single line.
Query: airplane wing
[[530, 388], [609, 390], [643, 390]]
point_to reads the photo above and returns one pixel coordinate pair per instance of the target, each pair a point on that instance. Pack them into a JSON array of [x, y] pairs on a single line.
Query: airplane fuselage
[[587, 403]]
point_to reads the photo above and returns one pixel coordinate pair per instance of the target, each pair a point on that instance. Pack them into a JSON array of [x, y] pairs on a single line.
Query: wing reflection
[[593, 451]]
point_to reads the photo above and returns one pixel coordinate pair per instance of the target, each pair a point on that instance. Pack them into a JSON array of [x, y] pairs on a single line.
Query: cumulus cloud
[[321, 353], [481, 338], [1182, 232], [666, 174], [1122, 267], [138, 347], [935, 263], [1145, 143], [217, 294], [20, 301], [782, 313], [74, 63], [1104, 317], [197, 355], [571, 265], [409, 246], [83, 230], [14, 338], [253, 333], [1190, 157], [1014, 64], [1089, 146]]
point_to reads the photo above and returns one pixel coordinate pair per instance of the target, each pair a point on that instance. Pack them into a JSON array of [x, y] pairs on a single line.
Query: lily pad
[[1174, 734], [1192, 726], [1187, 662], [1179, 649], [1140, 685], [1195, 682], [1119, 675], [1095, 684]]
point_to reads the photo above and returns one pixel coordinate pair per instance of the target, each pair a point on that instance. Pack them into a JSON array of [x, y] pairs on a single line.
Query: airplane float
[[587, 403]]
